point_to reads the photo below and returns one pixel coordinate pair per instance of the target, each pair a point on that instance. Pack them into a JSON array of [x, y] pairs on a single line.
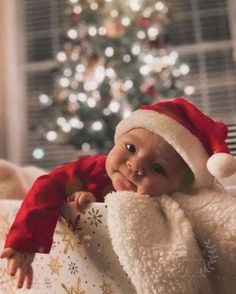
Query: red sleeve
[[34, 225]]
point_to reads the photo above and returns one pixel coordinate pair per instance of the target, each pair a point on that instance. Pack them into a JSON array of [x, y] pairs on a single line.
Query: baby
[[143, 162], [160, 149]]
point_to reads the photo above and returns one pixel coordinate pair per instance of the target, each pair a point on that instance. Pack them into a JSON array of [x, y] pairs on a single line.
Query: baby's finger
[[29, 278], [73, 196], [82, 200], [7, 252], [86, 198], [78, 193], [20, 278], [91, 198], [13, 265], [77, 201]]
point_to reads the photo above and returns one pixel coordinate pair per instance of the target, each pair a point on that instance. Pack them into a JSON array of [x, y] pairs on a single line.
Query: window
[[201, 31], [42, 32]]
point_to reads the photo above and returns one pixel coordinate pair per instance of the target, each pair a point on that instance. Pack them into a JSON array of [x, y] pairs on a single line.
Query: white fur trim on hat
[[179, 137]]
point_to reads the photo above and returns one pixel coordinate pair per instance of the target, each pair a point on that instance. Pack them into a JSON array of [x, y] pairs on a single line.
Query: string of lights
[[116, 56]]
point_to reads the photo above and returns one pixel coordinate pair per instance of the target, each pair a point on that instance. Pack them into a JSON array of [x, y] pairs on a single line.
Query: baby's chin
[[121, 186], [120, 183]]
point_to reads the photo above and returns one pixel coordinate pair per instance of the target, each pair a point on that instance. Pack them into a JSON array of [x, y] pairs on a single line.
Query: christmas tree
[[116, 56]]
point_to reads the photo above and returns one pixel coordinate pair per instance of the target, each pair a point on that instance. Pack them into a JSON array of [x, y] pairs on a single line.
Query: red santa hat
[[198, 139]]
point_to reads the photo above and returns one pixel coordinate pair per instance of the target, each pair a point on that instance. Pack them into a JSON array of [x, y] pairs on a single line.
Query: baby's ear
[[7, 253]]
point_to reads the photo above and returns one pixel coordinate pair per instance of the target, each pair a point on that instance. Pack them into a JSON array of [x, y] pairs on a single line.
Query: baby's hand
[[83, 197], [19, 263]]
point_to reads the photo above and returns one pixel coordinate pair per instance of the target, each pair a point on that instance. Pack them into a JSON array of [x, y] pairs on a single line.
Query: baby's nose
[[136, 166]]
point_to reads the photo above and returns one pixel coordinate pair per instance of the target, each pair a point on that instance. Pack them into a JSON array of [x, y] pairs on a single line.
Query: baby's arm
[[81, 198], [20, 264]]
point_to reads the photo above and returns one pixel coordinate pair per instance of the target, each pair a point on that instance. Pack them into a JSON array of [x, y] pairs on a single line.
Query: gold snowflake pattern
[[73, 224], [70, 240], [94, 217], [106, 288], [4, 227], [54, 265], [7, 283], [73, 289]]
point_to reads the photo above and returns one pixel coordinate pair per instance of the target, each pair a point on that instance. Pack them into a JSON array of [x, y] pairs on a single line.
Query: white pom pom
[[221, 165]]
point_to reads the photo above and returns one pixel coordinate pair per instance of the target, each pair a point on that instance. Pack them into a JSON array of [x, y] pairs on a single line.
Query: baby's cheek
[[155, 187]]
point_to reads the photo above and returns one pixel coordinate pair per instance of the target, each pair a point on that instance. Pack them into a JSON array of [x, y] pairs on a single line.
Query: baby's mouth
[[122, 183]]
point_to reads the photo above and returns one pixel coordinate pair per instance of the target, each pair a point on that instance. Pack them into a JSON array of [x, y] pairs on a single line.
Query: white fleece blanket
[[15, 180], [179, 244]]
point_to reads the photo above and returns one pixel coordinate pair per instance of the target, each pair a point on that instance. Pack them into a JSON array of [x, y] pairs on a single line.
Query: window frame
[[232, 22]]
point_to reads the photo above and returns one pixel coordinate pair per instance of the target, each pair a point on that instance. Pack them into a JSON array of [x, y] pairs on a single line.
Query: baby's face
[[145, 163]]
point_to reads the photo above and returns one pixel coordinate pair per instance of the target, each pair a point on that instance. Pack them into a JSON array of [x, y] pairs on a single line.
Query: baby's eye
[[130, 147], [158, 168]]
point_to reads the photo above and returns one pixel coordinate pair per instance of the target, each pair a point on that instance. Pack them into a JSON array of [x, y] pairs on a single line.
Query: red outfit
[[34, 225]]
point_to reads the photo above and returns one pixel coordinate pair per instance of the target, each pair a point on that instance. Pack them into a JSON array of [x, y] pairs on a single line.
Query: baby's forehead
[[145, 136]]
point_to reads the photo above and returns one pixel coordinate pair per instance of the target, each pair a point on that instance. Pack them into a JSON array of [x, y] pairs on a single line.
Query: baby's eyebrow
[[162, 160], [157, 157], [132, 136]]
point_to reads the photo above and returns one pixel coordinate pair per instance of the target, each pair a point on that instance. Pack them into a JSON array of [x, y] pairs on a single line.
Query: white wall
[[2, 85], [13, 107]]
